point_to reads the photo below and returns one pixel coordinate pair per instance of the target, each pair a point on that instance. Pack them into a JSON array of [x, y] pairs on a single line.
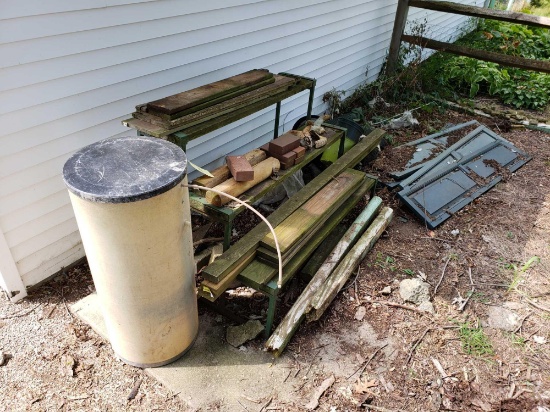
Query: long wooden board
[[262, 277], [248, 243], [184, 100], [298, 224]]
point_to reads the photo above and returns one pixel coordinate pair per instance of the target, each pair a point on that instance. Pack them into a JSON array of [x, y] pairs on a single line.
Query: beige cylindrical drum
[[133, 215]]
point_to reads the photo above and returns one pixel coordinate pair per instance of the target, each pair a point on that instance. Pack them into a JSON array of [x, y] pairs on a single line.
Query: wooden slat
[[184, 100], [248, 243], [292, 229], [321, 253], [503, 59], [212, 291], [474, 11], [263, 277]]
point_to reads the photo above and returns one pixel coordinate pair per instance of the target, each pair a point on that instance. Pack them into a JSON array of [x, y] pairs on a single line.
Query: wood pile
[[302, 222], [216, 103]]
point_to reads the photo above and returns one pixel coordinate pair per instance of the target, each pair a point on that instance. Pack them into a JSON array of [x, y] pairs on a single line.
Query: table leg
[[227, 232], [271, 313]]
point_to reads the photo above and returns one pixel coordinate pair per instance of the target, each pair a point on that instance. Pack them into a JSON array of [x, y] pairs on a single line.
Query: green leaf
[[200, 169]]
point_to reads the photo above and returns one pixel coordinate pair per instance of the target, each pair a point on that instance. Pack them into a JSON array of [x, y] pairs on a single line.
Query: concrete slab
[[212, 374]]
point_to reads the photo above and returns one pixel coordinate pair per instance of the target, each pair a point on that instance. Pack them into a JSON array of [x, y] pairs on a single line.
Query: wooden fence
[[466, 10]]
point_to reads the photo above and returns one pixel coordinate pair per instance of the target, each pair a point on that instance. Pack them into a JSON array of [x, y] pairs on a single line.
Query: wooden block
[[283, 144], [299, 160], [300, 151], [287, 159], [265, 147], [222, 173], [181, 101], [240, 168]]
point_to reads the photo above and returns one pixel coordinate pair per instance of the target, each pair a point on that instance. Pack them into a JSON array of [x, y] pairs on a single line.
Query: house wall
[[71, 71]]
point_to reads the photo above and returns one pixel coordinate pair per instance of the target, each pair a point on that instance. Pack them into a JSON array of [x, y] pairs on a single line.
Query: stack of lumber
[[240, 259], [246, 92], [331, 276]]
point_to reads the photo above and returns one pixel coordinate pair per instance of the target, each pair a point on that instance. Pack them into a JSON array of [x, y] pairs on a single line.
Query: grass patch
[[474, 340]]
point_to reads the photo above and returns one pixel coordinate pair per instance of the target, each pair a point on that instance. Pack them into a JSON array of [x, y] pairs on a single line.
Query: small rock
[[541, 340], [361, 312], [455, 232], [386, 290], [502, 318], [426, 307], [414, 290], [238, 335], [513, 305]]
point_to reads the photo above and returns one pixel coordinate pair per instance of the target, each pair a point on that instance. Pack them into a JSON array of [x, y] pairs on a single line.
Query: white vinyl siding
[[71, 71]]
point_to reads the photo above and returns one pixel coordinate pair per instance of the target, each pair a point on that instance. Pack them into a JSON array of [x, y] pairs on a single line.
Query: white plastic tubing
[[280, 281]]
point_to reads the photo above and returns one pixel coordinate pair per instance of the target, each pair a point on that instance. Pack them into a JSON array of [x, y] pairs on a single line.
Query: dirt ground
[[406, 360]]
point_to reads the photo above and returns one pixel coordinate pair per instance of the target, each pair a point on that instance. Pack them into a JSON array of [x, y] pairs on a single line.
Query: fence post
[[398, 29]]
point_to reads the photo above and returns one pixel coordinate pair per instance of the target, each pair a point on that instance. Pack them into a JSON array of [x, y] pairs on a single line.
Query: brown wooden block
[[299, 160], [284, 144], [300, 151], [240, 168], [265, 147], [287, 159]]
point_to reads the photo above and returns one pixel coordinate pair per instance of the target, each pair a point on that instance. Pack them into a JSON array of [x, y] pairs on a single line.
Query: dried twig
[[398, 305], [134, 390], [364, 366], [442, 274], [21, 313], [439, 368], [244, 407], [417, 342], [536, 305], [461, 308], [265, 405], [521, 323]]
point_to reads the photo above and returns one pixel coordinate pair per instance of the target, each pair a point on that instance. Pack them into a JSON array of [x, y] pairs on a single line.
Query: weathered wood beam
[[347, 266], [398, 30], [279, 339], [474, 11], [503, 59]]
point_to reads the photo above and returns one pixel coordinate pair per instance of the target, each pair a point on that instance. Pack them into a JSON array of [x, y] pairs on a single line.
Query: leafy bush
[[449, 74]]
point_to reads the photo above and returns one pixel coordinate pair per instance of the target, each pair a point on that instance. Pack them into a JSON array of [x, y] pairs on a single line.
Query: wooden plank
[[321, 253], [314, 210], [184, 100], [398, 30], [168, 117], [474, 11], [325, 295], [222, 173], [263, 277], [288, 326], [248, 243], [227, 106], [212, 291], [503, 59]]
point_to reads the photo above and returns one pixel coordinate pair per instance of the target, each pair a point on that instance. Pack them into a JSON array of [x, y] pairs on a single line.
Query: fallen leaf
[[488, 35], [364, 386], [431, 233], [361, 312]]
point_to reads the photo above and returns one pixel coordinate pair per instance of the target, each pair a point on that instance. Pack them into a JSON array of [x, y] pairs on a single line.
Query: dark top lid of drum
[[125, 169]]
